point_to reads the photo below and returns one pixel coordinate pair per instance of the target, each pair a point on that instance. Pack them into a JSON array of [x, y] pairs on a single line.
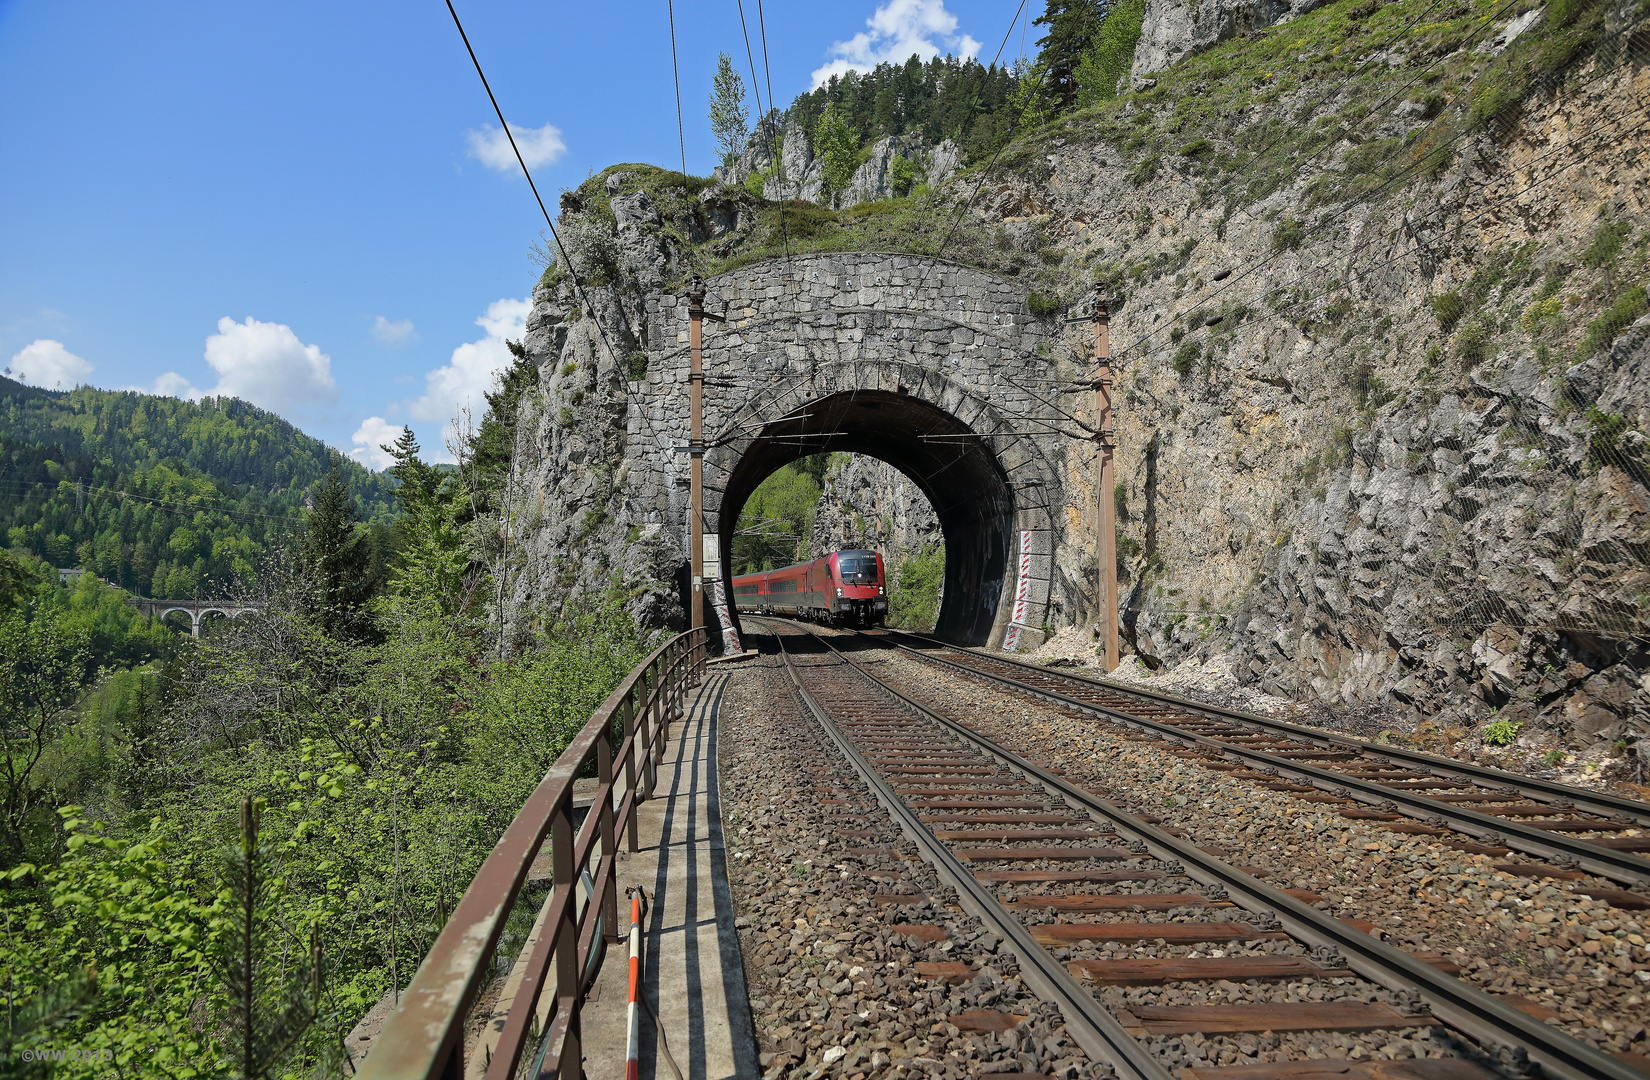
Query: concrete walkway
[[692, 971]]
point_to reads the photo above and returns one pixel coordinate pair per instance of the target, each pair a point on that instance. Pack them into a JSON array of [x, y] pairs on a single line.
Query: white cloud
[[539, 146], [370, 439], [393, 333], [898, 29], [266, 364], [171, 384], [46, 363], [461, 383]]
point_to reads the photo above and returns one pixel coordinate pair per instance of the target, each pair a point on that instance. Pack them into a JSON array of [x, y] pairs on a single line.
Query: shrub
[[1289, 235], [1500, 733], [1473, 346], [902, 175], [1042, 305], [636, 362], [1448, 309], [1552, 757], [1145, 172], [1120, 500], [1184, 357], [1541, 315], [1196, 147], [1606, 245], [1605, 430], [1616, 318]]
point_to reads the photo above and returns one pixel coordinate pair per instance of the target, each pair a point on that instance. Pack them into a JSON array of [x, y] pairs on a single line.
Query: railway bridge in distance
[[197, 610]]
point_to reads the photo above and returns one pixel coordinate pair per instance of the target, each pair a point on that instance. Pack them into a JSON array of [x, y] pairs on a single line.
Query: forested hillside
[[353, 750], [164, 497]]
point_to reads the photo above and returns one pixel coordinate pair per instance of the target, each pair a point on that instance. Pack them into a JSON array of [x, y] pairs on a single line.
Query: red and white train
[[844, 586]]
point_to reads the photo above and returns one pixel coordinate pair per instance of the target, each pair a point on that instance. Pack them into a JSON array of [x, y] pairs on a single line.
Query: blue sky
[[304, 203]]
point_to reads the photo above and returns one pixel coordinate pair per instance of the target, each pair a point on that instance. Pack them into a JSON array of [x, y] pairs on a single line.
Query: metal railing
[[424, 1038]]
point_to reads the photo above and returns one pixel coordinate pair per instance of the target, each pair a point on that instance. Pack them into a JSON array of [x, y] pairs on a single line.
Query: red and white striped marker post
[[631, 1064]]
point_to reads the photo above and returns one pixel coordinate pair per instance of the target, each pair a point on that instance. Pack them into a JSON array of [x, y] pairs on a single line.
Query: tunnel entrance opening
[[839, 501], [947, 461]]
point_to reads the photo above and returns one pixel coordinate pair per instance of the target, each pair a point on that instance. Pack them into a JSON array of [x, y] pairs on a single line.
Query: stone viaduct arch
[[197, 610], [937, 369]]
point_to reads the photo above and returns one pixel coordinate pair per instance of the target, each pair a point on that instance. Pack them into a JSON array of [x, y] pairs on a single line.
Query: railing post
[[650, 721], [631, 737], [566, 876], [604, 789]]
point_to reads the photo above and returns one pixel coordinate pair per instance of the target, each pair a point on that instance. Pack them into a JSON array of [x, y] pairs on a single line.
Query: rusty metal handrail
[[423, 1039]]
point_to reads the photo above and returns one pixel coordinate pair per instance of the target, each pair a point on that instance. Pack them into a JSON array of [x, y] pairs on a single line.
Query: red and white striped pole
[[631, 1064]]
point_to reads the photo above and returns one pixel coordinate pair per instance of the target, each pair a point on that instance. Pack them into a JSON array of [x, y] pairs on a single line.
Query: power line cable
[[676, 77], [778, 162], [572, 270]]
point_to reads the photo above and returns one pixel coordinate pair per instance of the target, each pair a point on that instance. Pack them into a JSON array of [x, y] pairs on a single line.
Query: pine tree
[[336, 553], [270, 1007], [1072, 25], [729, 119]]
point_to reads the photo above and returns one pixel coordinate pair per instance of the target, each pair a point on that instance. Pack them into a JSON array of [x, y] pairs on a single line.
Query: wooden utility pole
[[696, 449], [1107, 481]]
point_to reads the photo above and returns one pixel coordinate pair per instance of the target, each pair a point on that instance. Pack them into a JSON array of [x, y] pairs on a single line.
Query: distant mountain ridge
[[166, 497]]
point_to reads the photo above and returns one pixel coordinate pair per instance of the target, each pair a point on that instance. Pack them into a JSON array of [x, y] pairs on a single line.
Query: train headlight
[[839, 592]]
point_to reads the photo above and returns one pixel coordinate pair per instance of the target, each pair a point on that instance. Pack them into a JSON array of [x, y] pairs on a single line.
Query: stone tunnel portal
[[949, 463]]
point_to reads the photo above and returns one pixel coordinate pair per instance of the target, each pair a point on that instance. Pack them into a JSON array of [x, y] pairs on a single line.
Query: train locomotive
[[843, 587]]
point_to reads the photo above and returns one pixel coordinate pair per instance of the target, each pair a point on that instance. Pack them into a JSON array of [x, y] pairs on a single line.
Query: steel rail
[[1528, 786], [1605, 862], [1093, 1028], [1457, 1003]]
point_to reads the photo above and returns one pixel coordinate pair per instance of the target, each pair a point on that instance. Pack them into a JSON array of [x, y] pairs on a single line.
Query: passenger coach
[[844, 586]]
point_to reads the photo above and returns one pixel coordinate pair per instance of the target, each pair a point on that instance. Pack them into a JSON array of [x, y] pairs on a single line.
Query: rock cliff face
[[802, 176], [870, 502], [1380, 433], [1172, 29]]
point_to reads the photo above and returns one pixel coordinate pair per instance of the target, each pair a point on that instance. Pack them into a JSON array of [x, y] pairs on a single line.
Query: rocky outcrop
[[880, 176], [869, 502], [1174, 29]]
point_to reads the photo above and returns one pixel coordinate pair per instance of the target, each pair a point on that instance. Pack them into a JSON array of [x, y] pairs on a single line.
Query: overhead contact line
[[572, 270]]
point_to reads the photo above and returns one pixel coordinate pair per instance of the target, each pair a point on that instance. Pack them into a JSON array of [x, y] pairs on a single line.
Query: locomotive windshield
[[857, 567]]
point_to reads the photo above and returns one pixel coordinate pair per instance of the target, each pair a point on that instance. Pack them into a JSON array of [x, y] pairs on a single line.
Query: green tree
[[270, 1002], [837, 148], [42, 675], [729, 119], [336, 553], [1109, 57], [778, 519], [431, 560], [1072, 25]]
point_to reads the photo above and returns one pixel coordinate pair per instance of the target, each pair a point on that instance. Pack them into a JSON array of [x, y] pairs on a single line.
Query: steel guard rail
[[424, 1038]]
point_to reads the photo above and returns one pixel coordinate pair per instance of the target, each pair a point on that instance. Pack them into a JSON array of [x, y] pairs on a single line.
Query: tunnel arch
[[949, 463]]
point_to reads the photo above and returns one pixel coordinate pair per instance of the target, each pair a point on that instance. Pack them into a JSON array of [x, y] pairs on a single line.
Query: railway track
[[1071, 882], [1498, 813]]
